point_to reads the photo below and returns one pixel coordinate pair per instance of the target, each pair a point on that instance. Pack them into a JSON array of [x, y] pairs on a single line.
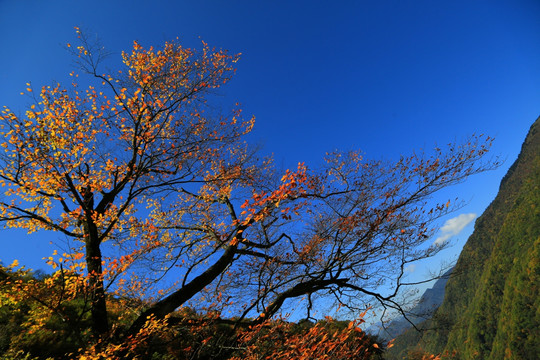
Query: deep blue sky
[[387, 77]]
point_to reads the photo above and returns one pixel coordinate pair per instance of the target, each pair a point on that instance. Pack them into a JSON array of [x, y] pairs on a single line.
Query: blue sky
[[386, 77]]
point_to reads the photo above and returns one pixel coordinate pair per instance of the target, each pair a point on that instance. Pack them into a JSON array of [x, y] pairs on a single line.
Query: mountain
[[430, 300], [491, 310]]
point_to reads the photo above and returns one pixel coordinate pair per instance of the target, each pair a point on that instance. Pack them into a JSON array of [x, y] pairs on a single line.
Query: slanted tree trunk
[[179, 297]]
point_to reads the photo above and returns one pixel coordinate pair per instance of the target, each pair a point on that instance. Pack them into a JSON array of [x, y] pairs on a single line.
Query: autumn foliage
[[166, 207]]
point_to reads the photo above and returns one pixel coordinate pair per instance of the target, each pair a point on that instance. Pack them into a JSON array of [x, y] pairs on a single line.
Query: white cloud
[[410, 268], [441, 239], [454, 226]]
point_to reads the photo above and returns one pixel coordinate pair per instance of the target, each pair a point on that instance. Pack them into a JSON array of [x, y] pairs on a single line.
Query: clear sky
[[386, 77]]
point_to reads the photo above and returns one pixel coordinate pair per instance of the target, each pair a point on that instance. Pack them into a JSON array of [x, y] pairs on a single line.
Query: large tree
[[161, 200]]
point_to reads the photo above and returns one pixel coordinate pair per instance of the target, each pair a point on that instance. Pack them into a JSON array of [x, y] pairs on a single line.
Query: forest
[[182, 241]]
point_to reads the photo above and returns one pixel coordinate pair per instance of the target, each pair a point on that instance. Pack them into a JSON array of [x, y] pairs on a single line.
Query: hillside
[[490, 311]]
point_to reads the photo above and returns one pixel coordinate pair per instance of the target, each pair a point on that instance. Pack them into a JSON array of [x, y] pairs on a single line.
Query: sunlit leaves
[[328, 339], [80, 161], [163, 203]]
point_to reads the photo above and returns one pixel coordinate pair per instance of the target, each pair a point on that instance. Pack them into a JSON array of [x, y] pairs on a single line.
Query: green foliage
[[30, 328], [519, 326]]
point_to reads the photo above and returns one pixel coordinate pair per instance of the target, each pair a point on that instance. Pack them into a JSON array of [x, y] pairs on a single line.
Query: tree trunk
[[179, 297], [98, 306]]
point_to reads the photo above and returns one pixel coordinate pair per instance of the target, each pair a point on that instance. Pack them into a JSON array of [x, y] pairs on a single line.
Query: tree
[[149, 185]]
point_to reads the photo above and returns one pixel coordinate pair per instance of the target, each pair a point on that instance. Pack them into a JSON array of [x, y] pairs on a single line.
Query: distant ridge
[[430, 300]]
